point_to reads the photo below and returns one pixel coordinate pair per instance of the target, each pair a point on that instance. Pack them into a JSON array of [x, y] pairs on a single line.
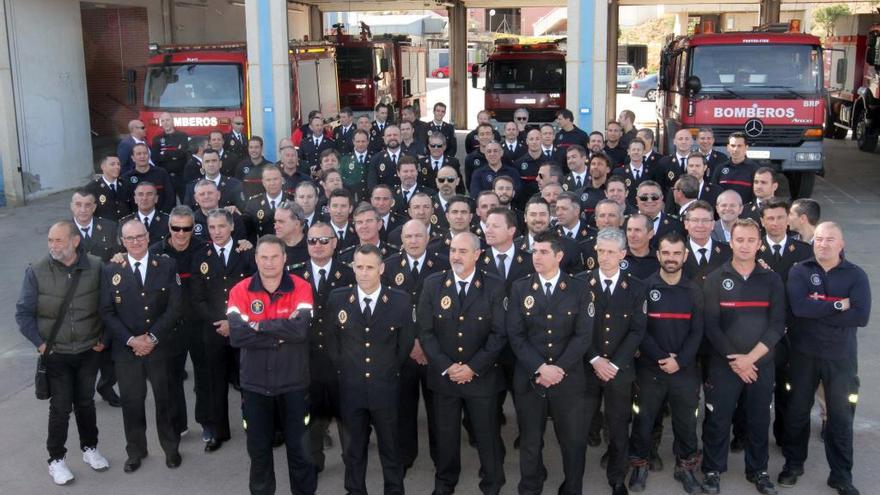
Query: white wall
[[50, 84]]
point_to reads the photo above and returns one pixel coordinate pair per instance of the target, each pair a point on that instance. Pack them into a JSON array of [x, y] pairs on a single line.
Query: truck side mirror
[[693, 84], [383, 65]]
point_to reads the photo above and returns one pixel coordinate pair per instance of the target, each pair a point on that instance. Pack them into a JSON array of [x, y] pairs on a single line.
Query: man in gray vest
[[72, 359]]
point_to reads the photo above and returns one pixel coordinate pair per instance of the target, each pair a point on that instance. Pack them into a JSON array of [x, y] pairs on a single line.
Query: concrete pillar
[[268, 72], [769, 11], [586, 62], [316, 23], [611, 62], [11, 189], [680, 28], [459, 77]]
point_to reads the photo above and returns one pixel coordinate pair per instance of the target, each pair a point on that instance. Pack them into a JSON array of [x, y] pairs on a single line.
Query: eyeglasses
[[521, 118], [436, 146], [448, 180], [315, 240], [238, 123], [135, 238], [139, 127], [649, 197], [178, 228]]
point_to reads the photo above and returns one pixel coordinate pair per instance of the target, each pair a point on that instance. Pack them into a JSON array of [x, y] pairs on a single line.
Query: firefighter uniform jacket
[[158, 228], [719, 253], [310, 153], [520, 265], [231, 192], [112, 205], [347, 255], [448, 131], [555, 330], [343, 138], [159, 178], [398, 273], [130, 307], [259, 216], [171, 151], [103, 239], [200, 228], [739, 312], [354, 173], [737, 177], [792, 252], [469, 332], [383, 169], [674, 324], [649, 172], [641, 267], [428, 171], [251, 176], [212, 281], [620, 321]]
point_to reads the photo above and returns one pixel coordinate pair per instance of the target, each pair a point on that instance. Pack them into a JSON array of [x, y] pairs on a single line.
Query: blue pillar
[[585, 63]]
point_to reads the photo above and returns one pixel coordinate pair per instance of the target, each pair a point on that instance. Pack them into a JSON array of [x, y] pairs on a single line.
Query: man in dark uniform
[[420, 208], [706, 143], [269, 315], [156, 221], [216, 269], [477, 157], [325, 275], [461, 326], [641, 259], [830, 298], [229, 162], [744, 319], [764, 187], [675, 164], [378, 126], [344, 132], [407, 175], [382, 199], [430, 166], [420, 129], [436, 125], [472, 140], [614, 148], [113, 196], [549, 149], [259, 211], [448, 181], [705, 254], [568, 134], [231, 189], [619, 329], [354, 165], [627, 121], [537, 221], [666, 368], [636, 170], [409, 145], [383, 164], [568, 217], [738, 171], [651, 154], [311, 147], [235, 142], [549, 324], [482, 178], [697, 167], [180, 245], [527, 166], [513, 146], [780, 252], [649, 201], [144, 172], [143, 340], [207, 198], [289, 227], [373, 331], [250, 170], [594, 188], [578, 175], [339, 206], [459, 217], [367, 223], [407, 271], [171, 151]]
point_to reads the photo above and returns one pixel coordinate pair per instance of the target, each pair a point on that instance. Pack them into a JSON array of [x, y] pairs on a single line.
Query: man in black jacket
[[269, 315], [171, 151], [114, 196], [461, 326], [140, 301]]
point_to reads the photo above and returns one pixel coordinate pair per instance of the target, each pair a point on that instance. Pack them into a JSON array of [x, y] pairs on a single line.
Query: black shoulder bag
[[41, 378]]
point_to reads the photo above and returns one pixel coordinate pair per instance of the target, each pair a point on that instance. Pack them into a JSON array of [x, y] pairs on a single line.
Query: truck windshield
[[526, 75], [193, 86], [790, 70], [354, 62]]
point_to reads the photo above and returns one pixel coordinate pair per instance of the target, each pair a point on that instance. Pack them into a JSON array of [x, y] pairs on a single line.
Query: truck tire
[[800, 184], [865, 137]]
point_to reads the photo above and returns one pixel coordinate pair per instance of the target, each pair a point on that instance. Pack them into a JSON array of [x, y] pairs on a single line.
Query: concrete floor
[[848, 193]]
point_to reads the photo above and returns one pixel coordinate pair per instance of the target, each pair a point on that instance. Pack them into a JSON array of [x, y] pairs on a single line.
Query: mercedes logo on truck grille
[[753, 128]]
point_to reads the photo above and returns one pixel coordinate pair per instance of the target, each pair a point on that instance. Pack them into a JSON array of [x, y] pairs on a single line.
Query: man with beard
[[383, 164]]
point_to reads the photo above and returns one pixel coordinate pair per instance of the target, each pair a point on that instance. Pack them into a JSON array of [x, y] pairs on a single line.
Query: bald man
[[171, 151]]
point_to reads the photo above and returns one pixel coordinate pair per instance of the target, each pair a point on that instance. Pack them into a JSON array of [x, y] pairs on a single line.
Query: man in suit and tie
[[382, 199], [764, 187], [674, 165], [372, 334], [235, 142], [705, 253], [232, 190], [137, 134], [421, 209], [550, 325], [430, 166], [114, 198], [259, 211], [448, 130], [339, 207], [407, 271], [697, 167], [140, 300], [649, 201], [576, 159], [512, 145], [354, 165], [636, 170], [383, 164], [378, 126], [728, 207], [706, 143], [461, 325], [311, 147], [145, 197], [344, 132]]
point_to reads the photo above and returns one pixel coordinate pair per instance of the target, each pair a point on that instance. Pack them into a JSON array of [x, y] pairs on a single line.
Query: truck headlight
[[808, 157]]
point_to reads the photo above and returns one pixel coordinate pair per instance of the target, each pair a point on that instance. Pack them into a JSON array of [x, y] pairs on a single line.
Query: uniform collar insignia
[[338, 275], [477, 284], [562, 285], [448, 282], [430, 263], [402, 261], [791, 247], [351, 298], [592, 281], [384, 298], [535, 286], [519, 259], [623, 284]]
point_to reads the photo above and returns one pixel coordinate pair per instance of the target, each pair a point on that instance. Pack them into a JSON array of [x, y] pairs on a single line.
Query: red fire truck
[[524, 75], [374, 70], [766, 83], [852, 78], [205, 86]]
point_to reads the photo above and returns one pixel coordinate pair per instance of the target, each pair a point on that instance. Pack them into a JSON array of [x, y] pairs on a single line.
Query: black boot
[[638, 477]]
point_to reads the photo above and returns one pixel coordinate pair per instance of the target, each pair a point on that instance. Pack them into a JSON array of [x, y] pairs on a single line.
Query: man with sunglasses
[[429, 166], [649, 201], [289, 227], [181, 245], [324, 274], [594, 189], [137, 134], [527, 166], [448, 181], [235, 141]]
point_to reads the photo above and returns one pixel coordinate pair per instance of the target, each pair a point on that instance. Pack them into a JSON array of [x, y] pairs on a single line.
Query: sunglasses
[[448, 180], [522, 118], [238, 123], [178, 228], [315, 240], [140, 127], [649, 197], [437, 146]]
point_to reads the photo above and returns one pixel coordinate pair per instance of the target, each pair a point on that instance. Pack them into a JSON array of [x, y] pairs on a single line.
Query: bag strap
[[74, 282]]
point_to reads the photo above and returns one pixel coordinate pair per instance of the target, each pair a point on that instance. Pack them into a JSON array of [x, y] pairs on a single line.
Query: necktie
[[777, 251], [637, 173], [306, 225], [272, 204], [85, 232], [547, 153], [547, 291], [341, 234], [394, 159], [415, 269], [406, 196], [137, 273], [702, 260], [578, 183], [113, 187], [368, 312], [317, 142], [462, 291], [570, 234], [502, 266], [607, 290], [147, 222], [682, 162], [361, 160], [322, 279], [223, 255], [436, 164]]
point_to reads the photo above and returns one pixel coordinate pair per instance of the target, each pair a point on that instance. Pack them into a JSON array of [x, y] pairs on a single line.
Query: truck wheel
[[800, 184], [865, 138], [651, 95], [832, 131]]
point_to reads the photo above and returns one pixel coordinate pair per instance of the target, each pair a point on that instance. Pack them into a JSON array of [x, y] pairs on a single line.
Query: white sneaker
[[95, 460], [59, 472]]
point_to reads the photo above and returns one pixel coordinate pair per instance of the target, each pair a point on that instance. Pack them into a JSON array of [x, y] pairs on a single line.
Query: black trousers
[[782, 390], [184, 332], [723, 389], [570, 424], [841, 382], [324, 406], [72, 381], [483, 416], [133, 373], [357, 419], [655, 387], [108, 372], [413, 377], [616, 396], [262, 423], [212, 357]]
